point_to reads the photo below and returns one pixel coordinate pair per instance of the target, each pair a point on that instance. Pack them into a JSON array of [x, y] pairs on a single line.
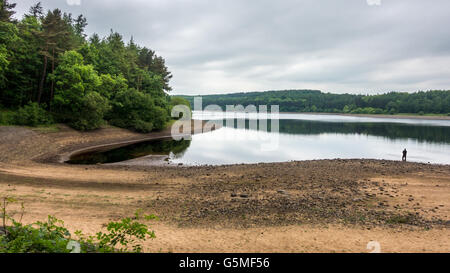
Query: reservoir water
[[300, 137]]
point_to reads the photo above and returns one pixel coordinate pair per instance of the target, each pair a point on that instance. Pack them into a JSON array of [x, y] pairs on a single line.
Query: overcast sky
[[223, 46]]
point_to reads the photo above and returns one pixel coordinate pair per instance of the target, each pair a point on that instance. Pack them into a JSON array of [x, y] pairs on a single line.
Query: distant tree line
[[432, 134], [50, 71], [430, 102]]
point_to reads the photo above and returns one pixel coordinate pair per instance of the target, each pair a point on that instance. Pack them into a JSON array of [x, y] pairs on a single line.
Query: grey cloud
[[234, 45]]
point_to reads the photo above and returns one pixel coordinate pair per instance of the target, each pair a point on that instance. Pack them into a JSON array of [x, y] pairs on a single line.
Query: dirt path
[[310, 206]]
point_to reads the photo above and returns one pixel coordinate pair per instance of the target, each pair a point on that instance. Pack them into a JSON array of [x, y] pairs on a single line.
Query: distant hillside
[[430, 102]]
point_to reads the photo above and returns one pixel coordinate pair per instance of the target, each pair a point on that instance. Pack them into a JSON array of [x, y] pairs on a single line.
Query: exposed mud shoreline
[[312, 206]]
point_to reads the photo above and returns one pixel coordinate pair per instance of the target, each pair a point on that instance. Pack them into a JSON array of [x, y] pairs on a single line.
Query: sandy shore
[[310, 206]]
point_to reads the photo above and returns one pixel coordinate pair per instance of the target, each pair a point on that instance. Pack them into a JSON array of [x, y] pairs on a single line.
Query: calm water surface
[[300, 137]]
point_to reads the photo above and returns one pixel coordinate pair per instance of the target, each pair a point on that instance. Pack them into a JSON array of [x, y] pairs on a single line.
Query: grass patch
[[52, 128], [401, 219]]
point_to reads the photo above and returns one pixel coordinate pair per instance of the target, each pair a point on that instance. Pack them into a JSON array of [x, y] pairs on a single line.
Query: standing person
[[405, 152]]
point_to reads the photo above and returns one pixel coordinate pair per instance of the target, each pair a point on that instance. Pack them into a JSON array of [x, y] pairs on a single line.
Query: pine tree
[[36, 10], [6, 11], [159, 67], [80, 25], [55, 38]]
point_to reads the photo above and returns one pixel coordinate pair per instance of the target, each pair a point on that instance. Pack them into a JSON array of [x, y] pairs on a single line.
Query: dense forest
[[430, 102], [50, 71]]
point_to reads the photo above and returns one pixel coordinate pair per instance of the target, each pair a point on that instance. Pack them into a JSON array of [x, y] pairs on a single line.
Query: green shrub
[[136, 110], [32, 115], [368, 110], [51, 236], [90, 113], [41, 237], [111, 85], [4, 120], [160, 118], [76, 100], [142, 126], [125, 235]]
